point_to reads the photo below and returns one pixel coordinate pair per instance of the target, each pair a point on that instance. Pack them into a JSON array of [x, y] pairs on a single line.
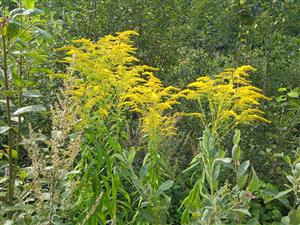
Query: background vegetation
[[148, 112]]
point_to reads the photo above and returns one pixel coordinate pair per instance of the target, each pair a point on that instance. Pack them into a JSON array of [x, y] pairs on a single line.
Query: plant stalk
[[8, 121]]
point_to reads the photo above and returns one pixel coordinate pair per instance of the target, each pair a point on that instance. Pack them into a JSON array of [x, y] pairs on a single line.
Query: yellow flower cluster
[[226, 100], [151, 100], [104, 76], [101, 72]]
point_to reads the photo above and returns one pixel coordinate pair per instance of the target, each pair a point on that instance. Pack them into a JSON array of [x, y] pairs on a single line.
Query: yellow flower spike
[[152, 100], [225, 100], [100, 75]]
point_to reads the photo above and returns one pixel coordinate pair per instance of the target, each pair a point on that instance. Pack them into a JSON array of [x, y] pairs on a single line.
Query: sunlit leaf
[[32, 108], [3, 129]]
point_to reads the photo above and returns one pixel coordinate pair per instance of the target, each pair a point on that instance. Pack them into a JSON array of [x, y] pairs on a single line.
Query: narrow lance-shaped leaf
[[31, 93], [3, 129], [243, 168], [280, 194], [32, 108]]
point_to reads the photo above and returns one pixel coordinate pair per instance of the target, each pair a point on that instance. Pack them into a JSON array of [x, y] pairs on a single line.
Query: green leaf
[[280, 194], [31, 93], [16, 12], [28, 4], [43, 33], [131, 156], [32, 12], [241, 181], [165, 186], [293, 94], [223, 160], [236, 153], [253, 221], [24, 12], [243, 211], [13, 28], [8, 222], [185, 217], [14, 154], [282, 89], [149, 216], [31, 108], [216, 172], [18, 80], [243, 168], [294, 216], [255, 183], [3, 129], [23, 174], [285, 220], [237, 137]]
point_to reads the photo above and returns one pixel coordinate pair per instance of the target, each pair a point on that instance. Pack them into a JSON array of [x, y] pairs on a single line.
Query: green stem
[[8, 121]]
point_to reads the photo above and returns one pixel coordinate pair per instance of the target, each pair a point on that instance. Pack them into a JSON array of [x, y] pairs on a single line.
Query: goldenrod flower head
[[151, 100], [226, 100], [101, 72]]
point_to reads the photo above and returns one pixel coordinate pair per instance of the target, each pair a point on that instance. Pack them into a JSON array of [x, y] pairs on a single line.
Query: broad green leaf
[[293, 94], [24, 12], [285, 220], [16, 12], [32, 12], [43, 33], [28, 4], [282, 89], [165, 186], [243, 211], [13, 28], [31, 108], [241, 181], [23, 174], [16, 119], [31, 93], [253, 221], [3, 129], [18, 80], [255, 183], [294, 216], [243, 168], [148, 215]]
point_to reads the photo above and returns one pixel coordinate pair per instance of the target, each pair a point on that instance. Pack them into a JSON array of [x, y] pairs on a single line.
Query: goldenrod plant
[[104, 78], [151, 100], [226, 100], [104, 104]]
